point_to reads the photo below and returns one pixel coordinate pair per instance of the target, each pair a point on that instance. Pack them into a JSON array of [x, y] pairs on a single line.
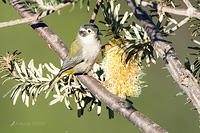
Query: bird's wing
[[74, 48], [75, 57]]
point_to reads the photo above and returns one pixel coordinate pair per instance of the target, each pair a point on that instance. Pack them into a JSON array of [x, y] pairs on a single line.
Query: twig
[[190, 12], [115, 103], [32, 18], [184, 21], [182, 76], [95, 11]]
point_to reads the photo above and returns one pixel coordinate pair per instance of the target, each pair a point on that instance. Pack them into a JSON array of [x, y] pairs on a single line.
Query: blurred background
[[158, 101]]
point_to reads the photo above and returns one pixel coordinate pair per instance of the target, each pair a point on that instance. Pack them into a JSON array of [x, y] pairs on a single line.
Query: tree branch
[[189, 12], [41, 28], [32, 18], [182, 76], [115, 103]]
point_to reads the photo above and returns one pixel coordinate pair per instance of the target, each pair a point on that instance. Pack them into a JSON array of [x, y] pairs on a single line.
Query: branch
[[32, 18], [182, 76], [189, 12], [121, 106], [115, 103]]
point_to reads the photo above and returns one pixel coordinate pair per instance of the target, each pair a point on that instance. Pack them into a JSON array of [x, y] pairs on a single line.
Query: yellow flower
[[121, 79]]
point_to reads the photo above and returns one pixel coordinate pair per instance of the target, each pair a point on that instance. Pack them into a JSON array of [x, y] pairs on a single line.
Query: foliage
[[32, 82], [194, 68], [136, 41]]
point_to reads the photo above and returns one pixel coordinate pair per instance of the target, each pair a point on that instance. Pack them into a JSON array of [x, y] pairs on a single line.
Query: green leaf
[[187, 64]]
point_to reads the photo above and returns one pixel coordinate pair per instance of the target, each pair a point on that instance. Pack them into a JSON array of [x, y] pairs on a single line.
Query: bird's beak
[[99, 33]]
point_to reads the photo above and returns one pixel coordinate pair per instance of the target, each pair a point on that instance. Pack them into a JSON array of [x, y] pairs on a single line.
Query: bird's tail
[[51, 84]]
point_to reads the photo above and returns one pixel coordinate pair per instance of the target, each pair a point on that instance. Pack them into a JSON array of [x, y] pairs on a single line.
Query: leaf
[[42, 79], [67, 103], [50, 69], [27, 100], [173, 20], [54, 101], [99, 108], [19, 71], [40, 68], [33, 102], [16, 96], [54, 68], [136, 33], [116, 12], [124, 17], [187, 64], [23, 96], [23, 68], [15, 88]]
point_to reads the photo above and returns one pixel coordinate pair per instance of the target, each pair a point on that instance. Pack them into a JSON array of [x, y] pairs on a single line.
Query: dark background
[[158, 101]]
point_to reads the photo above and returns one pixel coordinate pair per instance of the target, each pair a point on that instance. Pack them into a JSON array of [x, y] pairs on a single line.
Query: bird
[[83, 53]]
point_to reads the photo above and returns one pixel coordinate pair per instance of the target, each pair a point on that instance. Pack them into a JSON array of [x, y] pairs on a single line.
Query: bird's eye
[[89, 31]]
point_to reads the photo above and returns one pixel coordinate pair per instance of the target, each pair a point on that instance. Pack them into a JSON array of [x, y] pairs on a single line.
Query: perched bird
[[83, 53]]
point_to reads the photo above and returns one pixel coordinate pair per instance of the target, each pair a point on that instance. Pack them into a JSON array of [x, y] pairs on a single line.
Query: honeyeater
[[83, 53]]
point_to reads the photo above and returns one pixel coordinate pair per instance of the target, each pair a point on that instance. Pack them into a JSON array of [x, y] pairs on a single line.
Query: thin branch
[[115, 103], [95, 11], [182, 76], [181, 23], [32, 18], [190, 12]]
